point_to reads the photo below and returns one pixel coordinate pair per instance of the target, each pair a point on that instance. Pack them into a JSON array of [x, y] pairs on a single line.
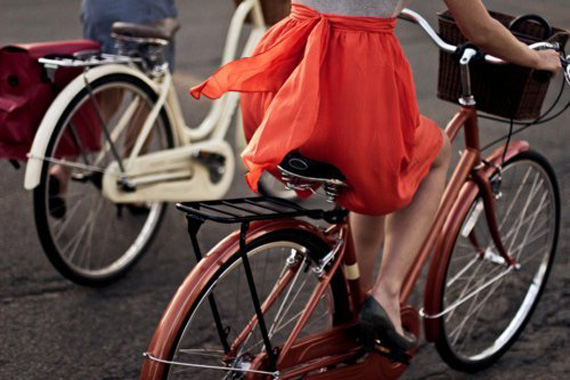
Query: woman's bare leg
[[367, 235], [62, 173], [405, 232]]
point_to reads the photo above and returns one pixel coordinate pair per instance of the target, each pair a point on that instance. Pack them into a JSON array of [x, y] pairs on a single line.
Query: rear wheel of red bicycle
[[485, 303], [287, 257]]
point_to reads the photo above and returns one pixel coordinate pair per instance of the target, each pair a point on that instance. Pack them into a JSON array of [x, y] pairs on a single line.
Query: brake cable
[[540, 119], [525, 125]]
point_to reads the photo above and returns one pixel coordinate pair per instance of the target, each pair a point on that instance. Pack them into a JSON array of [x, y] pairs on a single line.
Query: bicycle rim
[[487, 304], [271, 259], [88, 238]]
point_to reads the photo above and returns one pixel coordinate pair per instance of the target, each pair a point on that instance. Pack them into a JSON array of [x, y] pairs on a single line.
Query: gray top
[[360, 8]]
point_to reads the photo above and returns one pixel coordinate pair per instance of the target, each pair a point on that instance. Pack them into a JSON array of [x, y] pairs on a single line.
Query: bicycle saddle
[[163, 29], [300, 166]]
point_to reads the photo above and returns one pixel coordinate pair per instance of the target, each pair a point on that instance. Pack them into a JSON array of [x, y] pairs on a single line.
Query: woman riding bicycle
[[331, 81]]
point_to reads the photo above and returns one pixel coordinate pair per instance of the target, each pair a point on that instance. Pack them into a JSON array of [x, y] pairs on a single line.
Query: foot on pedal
[[375, 324], [393, 354]]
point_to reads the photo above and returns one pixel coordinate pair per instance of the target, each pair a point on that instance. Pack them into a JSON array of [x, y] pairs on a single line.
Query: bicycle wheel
[[279, 260], [89, 239], [486, 305]]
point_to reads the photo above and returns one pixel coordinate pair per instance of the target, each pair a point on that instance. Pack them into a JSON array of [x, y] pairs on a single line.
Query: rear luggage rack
[[251, 209], [87, 59], [244, 211]]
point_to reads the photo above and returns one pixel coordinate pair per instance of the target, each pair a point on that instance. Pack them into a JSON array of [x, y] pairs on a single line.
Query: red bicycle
[[279, 298]]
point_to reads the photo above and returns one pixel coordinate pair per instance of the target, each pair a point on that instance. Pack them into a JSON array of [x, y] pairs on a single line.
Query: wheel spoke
[[68, 217], [288, 287], [94, 248], [462, 271], [76, 239], [281, 314], [515, 197]]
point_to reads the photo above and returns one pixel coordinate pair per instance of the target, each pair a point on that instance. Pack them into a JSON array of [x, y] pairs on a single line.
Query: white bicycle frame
[[176, 176]]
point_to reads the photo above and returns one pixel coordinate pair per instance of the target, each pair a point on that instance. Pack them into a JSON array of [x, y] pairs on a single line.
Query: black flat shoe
[[56, 204], [376, 324]]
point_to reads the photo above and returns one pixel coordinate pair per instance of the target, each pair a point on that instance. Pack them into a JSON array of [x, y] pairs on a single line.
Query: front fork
[[489, 202]]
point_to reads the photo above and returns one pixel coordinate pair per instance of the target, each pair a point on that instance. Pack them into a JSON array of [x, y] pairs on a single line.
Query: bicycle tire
[[117, 245], [487, 314], [314, 248]]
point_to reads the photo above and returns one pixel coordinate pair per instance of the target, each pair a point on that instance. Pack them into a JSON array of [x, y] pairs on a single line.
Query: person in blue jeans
[[97, 17]]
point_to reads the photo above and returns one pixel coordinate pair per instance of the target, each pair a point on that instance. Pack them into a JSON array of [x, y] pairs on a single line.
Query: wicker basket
[[273, 10], [509, 91]]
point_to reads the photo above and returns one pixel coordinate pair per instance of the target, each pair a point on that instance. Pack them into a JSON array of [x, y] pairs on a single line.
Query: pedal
[[371, 344], [393, 355]]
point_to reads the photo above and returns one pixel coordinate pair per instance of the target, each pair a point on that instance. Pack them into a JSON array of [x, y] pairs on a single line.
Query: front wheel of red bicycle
[[485, 303]]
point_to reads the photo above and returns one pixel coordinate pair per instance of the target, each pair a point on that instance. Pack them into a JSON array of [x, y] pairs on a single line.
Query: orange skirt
[[340, 90]]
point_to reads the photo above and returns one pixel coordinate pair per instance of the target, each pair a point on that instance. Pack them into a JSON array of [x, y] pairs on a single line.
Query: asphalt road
[[53, 329]]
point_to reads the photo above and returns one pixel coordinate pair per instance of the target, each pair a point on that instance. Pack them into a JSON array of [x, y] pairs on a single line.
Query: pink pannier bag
[[26, 93]]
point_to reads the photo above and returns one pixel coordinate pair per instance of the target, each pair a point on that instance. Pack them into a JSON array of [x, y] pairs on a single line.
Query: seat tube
[[352, 271]]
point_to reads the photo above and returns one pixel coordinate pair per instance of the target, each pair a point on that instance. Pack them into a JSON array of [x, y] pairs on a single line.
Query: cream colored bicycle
[[117, 136]]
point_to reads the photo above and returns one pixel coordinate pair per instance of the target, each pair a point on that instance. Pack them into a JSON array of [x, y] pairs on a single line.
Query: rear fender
[[175, 314]]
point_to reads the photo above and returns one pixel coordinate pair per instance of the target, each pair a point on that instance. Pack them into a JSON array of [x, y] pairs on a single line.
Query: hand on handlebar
[[548, 60], [549, 54]]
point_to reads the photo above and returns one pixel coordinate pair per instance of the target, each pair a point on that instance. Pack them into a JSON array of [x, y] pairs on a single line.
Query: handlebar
[[469, 53], [414, 17]]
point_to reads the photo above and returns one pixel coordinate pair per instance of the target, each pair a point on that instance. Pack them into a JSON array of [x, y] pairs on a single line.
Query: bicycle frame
[[219, 117], [471, 177], [209, 135], [216, 124]]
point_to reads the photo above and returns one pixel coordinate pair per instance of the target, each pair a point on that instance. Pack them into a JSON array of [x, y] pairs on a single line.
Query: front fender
[[54, 112], [444, 247]]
